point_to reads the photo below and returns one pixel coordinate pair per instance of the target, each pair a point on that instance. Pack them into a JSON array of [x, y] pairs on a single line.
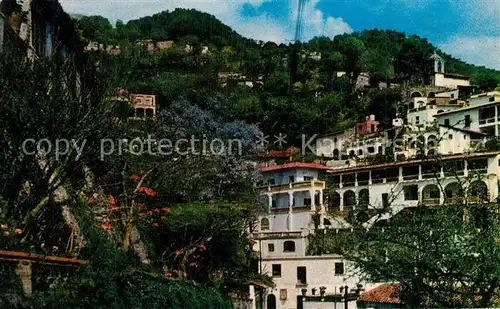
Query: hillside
[[291, 77], [400, 52]]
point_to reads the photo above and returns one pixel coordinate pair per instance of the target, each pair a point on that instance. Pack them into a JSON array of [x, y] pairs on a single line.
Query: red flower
[[141, 214], [166, 209], [177, 252], [139, 206], [149, 213], [184, 274], [154, 225], [147, 191], [106, 227], [194, 264], [203, 247], [111, 200], [135, 177], [156, 210], [169, 274], [114, 208]]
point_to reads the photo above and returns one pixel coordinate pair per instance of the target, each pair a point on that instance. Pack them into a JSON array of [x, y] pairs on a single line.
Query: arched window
[[264, 224], [360, 152], [326, 222], [334, 200], [349, 198], [416, 94], [411, 105], [336, 154], [431, 95], [364, 198], [289, 246], [478, 191]]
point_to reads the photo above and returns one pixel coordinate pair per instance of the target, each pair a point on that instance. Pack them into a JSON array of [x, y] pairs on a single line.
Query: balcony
[[430, 202], [292, 186]]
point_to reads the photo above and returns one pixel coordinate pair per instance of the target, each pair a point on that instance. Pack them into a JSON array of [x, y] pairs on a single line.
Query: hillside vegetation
[[294, 78]]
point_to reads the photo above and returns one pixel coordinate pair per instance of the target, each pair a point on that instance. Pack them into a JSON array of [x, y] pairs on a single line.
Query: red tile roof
[[279, 154], [384, 293], [457, 75], [293, 165]]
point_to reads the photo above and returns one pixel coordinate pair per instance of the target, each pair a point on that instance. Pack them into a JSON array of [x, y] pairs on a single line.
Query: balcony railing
[[430, 202], [293, 185], [487, 120]]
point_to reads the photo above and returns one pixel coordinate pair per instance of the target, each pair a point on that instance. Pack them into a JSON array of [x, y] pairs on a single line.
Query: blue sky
[[467, 29]]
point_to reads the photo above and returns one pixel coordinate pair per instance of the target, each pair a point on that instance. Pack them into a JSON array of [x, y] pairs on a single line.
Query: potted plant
[[314, 291], [304, 292], [322, 291]]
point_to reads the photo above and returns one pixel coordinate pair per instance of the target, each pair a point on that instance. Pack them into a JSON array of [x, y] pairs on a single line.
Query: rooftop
[[384, 293]]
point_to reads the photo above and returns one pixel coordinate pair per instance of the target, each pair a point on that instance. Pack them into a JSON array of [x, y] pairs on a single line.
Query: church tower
[[437, 63]]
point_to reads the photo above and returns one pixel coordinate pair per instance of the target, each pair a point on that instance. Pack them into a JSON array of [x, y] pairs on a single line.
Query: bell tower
[[437, 63]]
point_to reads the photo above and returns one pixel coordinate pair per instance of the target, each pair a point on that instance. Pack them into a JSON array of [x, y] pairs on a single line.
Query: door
[[271, 301]]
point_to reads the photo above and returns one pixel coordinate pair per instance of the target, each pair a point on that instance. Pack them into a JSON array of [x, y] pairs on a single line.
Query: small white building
[[293, 194]]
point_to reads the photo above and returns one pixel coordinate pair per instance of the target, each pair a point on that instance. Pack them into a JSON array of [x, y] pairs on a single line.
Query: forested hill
[[386, 54], [168, 25]]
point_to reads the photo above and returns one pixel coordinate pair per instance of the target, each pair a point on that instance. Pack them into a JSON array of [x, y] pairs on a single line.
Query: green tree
[[96, 28], [445, 256]]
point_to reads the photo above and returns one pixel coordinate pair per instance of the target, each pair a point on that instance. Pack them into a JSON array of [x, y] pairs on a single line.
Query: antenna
[[298, 26]]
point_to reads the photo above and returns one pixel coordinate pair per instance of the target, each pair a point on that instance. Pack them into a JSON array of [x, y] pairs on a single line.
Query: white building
[[293, 194], [398, 185], [482, 115]]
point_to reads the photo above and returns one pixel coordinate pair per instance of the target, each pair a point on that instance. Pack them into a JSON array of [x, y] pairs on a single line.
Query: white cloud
[[478, 50], [260, 27], [315, 23]]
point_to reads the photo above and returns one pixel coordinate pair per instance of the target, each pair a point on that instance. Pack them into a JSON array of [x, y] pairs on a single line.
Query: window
[[301, 275], [271, 181], [371, 149], [450, 136], [270, 247], [417, 120], [273, 204], [307, 202], [411, 193], [447, 122], [385, 200], [291, 179], [492, 99], [276, 270], [308, 178], [48, 39], [264, 224], [452, 96], [289, 246], [467, 121], [373, 128], [339, 268]]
